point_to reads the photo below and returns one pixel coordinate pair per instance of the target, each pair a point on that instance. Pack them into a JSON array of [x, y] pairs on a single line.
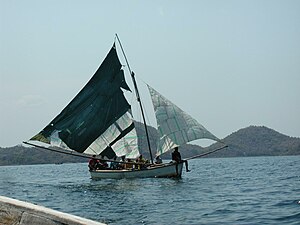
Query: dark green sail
[[94, 109]]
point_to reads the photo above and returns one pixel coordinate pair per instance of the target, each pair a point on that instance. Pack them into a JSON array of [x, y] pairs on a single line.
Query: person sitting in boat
[[158, 160], [115, 165], [141, 162], [141, 159], [129, 165], [176, 157], [122, 164], [93, 163], [102, 165]]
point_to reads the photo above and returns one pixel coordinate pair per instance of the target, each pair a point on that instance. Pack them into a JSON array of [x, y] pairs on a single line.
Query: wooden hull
[[163, 170]]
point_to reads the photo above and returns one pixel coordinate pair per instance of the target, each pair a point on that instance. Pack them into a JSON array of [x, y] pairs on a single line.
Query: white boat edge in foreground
[[14, 211], [157, 171]]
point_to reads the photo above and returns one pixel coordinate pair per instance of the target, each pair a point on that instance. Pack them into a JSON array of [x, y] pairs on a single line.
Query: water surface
[[258, 190]]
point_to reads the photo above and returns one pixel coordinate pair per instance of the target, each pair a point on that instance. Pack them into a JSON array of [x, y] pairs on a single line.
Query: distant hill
[[250, 141], [20, 155], [258, 141]]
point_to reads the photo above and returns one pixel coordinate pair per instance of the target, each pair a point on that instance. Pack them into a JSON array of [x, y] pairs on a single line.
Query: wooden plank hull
[[162, 170]]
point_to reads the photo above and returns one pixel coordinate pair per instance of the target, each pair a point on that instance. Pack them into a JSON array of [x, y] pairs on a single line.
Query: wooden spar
[[82, 155], [59, 151], [138, 99], [207, 153]]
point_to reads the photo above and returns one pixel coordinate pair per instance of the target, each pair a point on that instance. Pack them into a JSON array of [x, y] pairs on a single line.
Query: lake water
[[258, 190]]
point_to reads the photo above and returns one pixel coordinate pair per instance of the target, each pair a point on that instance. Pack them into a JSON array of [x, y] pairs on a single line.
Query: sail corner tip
[[40, 137]]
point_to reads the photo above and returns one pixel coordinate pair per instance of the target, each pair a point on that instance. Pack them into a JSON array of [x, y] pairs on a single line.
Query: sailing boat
[[98, 122]]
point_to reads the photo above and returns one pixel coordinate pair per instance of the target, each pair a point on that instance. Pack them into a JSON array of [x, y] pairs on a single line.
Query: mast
[[138, 98]]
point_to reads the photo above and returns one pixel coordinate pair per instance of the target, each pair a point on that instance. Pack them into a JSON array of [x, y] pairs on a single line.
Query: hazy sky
[[229, 64]]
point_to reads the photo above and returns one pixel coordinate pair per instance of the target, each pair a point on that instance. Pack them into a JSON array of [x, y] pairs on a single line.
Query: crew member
[[176, 156]]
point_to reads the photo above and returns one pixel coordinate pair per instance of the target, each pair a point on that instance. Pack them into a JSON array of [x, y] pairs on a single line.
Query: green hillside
[[259, 141]]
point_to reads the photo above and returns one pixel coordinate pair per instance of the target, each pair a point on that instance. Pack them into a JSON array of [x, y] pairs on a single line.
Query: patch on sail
[[121, 137]]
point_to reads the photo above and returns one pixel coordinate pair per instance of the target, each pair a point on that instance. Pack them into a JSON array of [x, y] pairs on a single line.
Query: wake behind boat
[[98, 122]]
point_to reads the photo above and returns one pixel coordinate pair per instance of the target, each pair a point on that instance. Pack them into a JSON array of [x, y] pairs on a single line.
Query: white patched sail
[[127, 145], [175, 127]]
